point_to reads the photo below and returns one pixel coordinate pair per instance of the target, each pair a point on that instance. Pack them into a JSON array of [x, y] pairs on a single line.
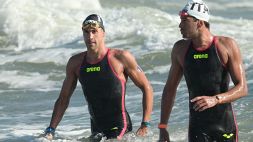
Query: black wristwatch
[[50, 130]]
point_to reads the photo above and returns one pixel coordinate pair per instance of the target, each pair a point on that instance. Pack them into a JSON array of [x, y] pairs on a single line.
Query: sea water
[[38, 37]]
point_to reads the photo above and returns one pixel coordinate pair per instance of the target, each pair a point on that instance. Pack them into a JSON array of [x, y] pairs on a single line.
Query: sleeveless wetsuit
[[205, 75], [105, 94]]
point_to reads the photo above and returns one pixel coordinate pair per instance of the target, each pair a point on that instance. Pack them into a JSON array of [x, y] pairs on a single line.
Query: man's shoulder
[[77, 56], [182, 43], [226, 43], [181, 46], [122, 56], [227, 48], [224, 40], [119, 53], [76, 59]]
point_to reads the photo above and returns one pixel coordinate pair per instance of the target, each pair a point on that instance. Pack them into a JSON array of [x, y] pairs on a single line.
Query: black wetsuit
[[205, 75], [105, 94]]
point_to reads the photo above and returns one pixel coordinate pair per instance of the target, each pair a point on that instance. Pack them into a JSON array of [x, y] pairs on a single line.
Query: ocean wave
[[42, 24], [27, 80], [53, 25], [58, 56]]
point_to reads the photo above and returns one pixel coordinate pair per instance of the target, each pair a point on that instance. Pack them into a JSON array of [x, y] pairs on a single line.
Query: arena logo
[[200, 56], [93, 69]]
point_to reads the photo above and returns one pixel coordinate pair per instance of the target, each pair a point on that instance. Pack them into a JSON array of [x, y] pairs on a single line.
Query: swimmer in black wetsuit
[[105, 94], [103, 73], [205, 74], [206, 61]]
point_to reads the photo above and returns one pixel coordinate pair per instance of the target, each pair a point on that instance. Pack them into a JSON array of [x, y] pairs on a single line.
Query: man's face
[[93, 36], [188, 26]]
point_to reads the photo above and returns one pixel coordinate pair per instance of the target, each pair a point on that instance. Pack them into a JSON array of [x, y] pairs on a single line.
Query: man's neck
[[203, 40], [96, 54]]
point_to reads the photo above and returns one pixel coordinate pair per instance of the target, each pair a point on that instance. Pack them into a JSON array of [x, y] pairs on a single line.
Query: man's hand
[[49, 136], [202, 103], [49, 133], [143, 130], [164, 135]]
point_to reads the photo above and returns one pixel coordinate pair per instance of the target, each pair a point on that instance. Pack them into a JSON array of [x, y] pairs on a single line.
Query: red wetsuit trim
[[122, 100]]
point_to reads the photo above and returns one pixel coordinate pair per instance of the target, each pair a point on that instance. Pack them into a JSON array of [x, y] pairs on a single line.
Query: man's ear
[[104, 33], [200, 23]]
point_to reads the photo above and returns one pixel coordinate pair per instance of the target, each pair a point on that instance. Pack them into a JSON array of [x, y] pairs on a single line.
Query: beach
[[38, 37]]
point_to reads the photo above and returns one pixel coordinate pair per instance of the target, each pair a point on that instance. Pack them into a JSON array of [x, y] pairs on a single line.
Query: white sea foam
[[50, 27], [241, 4], [159, 69], [58, 56], [157, 82], [27, 80], [143, 22], [42, 24], [229, 5]]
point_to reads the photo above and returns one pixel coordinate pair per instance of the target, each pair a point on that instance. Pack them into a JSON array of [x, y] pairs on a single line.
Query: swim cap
[[94, 21], [197, 9]]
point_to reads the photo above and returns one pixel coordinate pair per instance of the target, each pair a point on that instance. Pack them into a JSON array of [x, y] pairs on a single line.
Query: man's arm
[[62, 102], [169, 91], [236, 70], [230, 54], [136, 74]]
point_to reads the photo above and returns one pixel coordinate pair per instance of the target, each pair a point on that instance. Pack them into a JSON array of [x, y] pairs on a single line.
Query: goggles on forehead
[[183, 13], [91, 23]]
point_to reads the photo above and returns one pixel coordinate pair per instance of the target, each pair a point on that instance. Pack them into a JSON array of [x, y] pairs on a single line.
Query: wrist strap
[[162, 126], [145, 123], [50, 130]]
